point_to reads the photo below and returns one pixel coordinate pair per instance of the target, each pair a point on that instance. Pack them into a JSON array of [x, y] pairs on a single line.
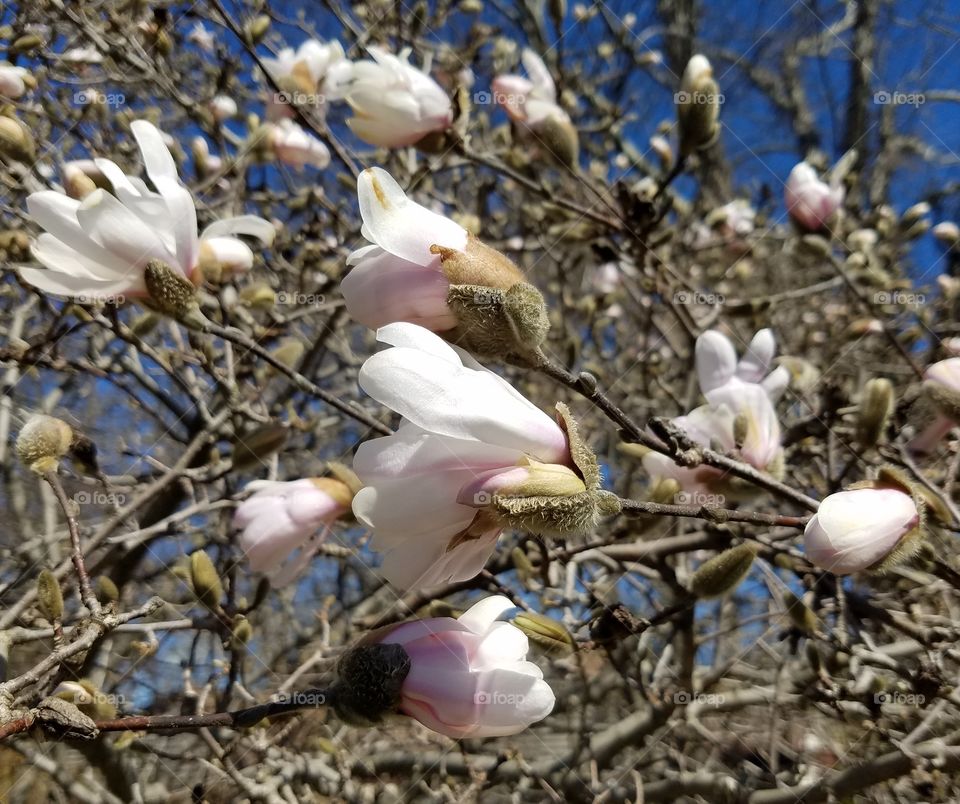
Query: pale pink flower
[[853, 530], [463, 427], [717, 364], [397, 277], [296, 147], [811, 202], [469, 677], [284, 523], [395, 104], [98, 248], [947, 374]]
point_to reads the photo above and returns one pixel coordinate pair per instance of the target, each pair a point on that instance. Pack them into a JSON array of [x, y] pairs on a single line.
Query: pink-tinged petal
[[430, 565], [400, 226], [756, 361], [384, 288], [946, 373], [417, 629], [853, 530], [931, 437], [716, 360], [479, 491]]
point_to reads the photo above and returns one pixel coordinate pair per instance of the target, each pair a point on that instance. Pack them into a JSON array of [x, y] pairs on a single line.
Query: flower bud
[[947, 233], [106, 590], [241, 633], [259, 296], [722, 573], [16, 141], [370, 681], [77, 183], [914, 214], [494, 322], [558, 136], [42, 442], [799, 613], [665, 491], [252, 449], [171, 293], [876, 405], [257, 28], [698, 106], [205, 580], [544, 631], [49, 596]]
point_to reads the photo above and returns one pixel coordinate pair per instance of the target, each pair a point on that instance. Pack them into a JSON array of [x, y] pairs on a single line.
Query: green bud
[[876, 405], [252, 449], [799, 613], [722, 573], [241, 633], [205, 580], [49, 596], [544, 631], [257, 28], [106, 590]]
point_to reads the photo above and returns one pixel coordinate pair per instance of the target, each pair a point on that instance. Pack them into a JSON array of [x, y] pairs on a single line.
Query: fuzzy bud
[[698, 106], [106, 590], [252, 449], [257, 28], [42, 442], [16, 141], [241, 633], [947, 234], [49, 596], [544, 631], [205, 580], [876, 405], [722, 573], [799, 613], [370, 679], [171, 293]]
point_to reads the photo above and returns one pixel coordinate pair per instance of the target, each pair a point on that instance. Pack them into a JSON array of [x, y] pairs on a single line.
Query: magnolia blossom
[[397, 277], [201, 37], [531, 102], [469, 677], [206, 163], [853, 530], [717, 365], [715, 425], [811, 202], [466, 434], [294, 146], [13, 81], [395, 104], [284, 523], [98, 248], [946, 376], [316, 71], [223, 107]]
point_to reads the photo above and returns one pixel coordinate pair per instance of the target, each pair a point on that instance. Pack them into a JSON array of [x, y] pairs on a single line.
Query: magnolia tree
[[473, 402]]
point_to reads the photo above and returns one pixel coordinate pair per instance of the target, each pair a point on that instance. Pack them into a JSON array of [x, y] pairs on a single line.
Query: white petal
[[251, 225], [480, 616], [157, 160], [716, 360], [121, 232], [399, 225], [759, 355]]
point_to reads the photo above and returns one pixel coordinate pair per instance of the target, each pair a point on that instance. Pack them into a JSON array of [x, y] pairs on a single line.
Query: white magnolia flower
[[13, 81], [811, 202], [717, 365], [284, 523], [853, 530], [463, 426], [945, 377], [470, 677], [82, 55], [223, 107], [201, 37], [395, 104], [714, 425], [294, 146], [98, 248], [315, 72]]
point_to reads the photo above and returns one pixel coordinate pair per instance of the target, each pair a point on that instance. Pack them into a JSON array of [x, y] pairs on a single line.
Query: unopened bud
[[557, 135], [947, 233], [106, 590], [799, 613], [914, 214], [24, 43], [259, 296], [171, 292], [665, 491], [698, 106], [241, 633], [205, 580], [522, 564], [42, 442], [544, 631], [369, 684], [876, 405], [49, 596], [257, 28], [16, 141], [815, 245], [724, 572], [289, 351], [253, 448], [493, 322], [77, 183]]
